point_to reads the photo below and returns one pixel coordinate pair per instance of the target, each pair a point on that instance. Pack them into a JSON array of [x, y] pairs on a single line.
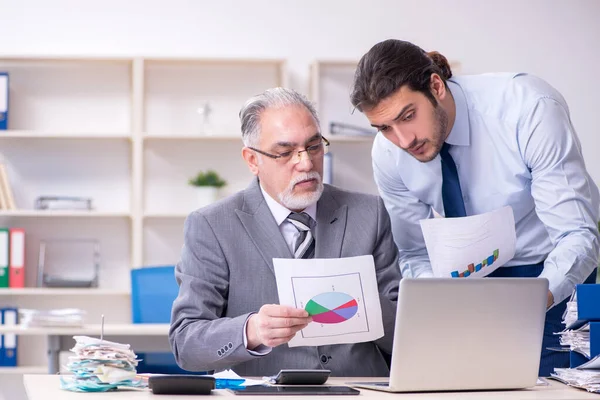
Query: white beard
[[301, 201]]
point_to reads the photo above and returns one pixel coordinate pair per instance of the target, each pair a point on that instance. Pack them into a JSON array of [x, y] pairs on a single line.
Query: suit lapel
[[257, 219], [331, 226]]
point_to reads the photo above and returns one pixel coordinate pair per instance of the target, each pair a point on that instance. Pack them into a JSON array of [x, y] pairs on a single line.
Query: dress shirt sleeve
[[566, 198], [405, 211], [261, 350]]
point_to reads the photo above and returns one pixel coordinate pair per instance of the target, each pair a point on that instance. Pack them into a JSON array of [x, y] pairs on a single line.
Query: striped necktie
[[305, 244]]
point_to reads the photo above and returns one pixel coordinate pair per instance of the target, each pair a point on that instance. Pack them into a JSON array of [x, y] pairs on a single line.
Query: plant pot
[[206, 195]]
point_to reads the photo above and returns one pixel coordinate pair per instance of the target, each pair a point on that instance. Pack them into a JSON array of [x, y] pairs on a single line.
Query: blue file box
[[153, 290], [588, 310]]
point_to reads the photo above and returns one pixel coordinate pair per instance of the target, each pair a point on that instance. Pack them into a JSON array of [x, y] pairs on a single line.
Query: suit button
[[324, 359]]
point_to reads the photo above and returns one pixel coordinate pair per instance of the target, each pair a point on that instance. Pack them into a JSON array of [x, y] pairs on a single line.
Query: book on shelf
[[3, 101], [341, 128], [7, 200], [8, 344], [12, 258], [63, 203]]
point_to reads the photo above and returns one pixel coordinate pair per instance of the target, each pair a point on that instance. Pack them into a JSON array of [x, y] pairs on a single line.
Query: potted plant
[[207, 185]]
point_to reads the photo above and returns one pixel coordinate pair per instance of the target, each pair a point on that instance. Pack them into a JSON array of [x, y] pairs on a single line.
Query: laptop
[[466, 334]]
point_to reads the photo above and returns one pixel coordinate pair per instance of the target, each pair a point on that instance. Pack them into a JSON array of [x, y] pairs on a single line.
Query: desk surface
[[40, 387], [92, 329]]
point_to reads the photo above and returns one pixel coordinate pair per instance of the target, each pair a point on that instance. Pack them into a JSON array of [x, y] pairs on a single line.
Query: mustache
[[304, 177]]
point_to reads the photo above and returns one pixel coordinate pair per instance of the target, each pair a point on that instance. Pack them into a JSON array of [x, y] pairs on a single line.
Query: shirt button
[[324, 359]]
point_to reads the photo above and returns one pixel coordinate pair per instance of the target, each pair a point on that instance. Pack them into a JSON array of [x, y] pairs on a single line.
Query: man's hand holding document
[[471, 246]]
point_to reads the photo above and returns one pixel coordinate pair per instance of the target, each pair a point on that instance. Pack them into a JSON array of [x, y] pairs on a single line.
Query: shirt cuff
[[261, 350]]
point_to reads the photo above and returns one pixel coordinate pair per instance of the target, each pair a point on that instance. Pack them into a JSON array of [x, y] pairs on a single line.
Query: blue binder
[[588, 311], [9, 347], [3, 100], [588, 302], [1, 338]]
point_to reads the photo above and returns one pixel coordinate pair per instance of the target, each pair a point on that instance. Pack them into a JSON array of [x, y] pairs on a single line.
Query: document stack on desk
[[582, 337], [99, 365], [71, 317]]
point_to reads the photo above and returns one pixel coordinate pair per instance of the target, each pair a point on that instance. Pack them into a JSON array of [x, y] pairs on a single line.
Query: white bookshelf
[[330, 86], [125, 132]]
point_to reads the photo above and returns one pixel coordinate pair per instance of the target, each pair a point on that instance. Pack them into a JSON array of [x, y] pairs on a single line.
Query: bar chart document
[[339, 293], [471, 246]]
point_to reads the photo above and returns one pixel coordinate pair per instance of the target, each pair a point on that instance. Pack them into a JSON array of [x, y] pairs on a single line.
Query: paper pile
[[588, 379], [99, 365], [576, 336], [59, 317]]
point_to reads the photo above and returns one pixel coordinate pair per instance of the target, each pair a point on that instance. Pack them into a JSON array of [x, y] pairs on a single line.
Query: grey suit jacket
[[226, 273]]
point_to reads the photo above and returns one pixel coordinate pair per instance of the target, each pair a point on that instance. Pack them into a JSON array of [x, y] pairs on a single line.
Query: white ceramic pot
[[206, 195]]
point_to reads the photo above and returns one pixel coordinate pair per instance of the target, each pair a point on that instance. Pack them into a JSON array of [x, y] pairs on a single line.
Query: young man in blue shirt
[[468, 145]]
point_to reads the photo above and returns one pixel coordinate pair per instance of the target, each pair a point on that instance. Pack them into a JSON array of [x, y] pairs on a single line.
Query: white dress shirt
[[513, 144], [290, 235]]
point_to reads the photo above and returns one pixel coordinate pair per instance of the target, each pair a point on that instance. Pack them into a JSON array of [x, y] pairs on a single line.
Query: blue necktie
[[454, 205]]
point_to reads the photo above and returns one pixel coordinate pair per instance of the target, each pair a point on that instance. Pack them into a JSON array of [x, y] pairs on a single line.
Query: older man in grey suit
[[226, 314]]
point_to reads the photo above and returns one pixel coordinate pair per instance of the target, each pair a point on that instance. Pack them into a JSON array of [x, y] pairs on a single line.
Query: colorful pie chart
[[331, 307]]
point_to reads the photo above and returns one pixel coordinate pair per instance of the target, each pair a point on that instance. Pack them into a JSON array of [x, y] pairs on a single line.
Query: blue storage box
[[153, 290]]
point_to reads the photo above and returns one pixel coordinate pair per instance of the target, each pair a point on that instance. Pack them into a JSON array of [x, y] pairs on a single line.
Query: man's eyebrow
[[404, 109], [290, 144]]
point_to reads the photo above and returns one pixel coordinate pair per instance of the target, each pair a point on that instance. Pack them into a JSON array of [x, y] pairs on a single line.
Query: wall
[[555, 39]]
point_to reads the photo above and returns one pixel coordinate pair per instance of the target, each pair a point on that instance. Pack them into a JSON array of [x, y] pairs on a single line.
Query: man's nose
[[304, 161], [404, 139]]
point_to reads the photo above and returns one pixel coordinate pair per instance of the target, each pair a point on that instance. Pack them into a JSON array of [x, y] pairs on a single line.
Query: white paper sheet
[[471, 246], [340, 293]]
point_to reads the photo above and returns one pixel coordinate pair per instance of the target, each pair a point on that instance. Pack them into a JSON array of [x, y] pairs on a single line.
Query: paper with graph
[[339, 293], [471, 246]]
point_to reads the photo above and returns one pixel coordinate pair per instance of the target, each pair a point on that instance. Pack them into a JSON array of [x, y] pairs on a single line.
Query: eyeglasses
[[295, 156]]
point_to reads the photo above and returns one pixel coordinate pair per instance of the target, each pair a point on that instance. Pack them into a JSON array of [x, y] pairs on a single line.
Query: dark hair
[[391, 64]]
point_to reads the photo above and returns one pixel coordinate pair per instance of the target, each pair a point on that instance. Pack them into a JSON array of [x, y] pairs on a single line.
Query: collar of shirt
[[280, 213], [460, 133]]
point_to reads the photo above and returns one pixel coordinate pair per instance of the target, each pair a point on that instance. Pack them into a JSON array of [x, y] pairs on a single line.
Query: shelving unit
[[330, 85], [125, 132]]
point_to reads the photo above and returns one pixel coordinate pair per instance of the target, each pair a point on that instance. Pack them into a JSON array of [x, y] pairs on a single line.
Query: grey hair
[[274, 98]]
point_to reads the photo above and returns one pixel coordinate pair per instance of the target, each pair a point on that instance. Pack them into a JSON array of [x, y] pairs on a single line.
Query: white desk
[[142, 337], [42, 387]]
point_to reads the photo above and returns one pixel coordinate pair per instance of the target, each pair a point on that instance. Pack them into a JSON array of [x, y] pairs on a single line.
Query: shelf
[[62, 292], [40, 369], [27, 134], [346, 138], [166, 215], [149, 137], [63, 213], [91, 330]]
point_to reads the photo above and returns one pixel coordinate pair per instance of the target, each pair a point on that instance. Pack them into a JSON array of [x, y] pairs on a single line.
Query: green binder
[[4, 259]]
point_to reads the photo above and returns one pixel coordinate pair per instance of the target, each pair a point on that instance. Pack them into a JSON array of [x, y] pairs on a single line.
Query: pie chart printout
[[332, 307]]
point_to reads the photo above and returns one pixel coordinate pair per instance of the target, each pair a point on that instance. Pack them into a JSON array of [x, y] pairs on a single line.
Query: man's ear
[[438, 87], [251, 159]]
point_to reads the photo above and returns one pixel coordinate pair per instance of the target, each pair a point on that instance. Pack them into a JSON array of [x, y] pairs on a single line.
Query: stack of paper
[[577, 339], [58, 317], [570, 315], [588, 379], [99, 365]]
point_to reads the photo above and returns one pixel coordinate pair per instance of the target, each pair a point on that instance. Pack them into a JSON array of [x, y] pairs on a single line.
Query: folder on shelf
[[10, 339], [6, 189], [4, 257], [16, 265], [1, 338], [3, 202], [588, 302], [3, 100]]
